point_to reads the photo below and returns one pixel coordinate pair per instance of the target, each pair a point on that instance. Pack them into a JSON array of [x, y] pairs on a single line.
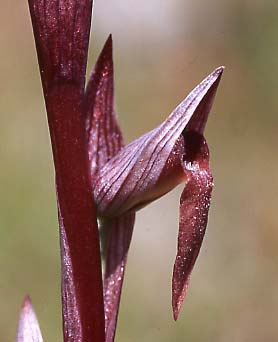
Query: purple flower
[[154, 164]]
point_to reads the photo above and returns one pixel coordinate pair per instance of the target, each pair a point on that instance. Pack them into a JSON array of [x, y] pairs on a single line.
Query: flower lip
[[194, 207]]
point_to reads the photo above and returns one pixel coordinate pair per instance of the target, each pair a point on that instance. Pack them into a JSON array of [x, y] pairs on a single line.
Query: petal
[[130, 179], [61, 30], [104, 141], [194, 206], [28, 329]]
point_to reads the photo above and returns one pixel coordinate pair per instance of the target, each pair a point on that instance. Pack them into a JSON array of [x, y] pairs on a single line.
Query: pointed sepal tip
[[28, 326]]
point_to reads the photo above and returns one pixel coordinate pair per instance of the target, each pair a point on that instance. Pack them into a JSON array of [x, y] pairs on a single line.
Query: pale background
[[162, 50]]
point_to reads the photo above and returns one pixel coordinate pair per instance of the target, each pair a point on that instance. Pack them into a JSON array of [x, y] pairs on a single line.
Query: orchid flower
[[154, 164], [98, 177]]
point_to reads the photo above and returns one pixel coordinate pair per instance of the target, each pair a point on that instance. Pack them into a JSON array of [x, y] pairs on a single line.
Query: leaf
[[61, 30], [28, 329]]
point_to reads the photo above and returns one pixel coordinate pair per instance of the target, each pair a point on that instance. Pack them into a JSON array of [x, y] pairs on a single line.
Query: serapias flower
[[155, 163]]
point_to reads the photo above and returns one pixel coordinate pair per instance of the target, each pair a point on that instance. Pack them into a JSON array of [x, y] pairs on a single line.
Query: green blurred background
[[162, 50]]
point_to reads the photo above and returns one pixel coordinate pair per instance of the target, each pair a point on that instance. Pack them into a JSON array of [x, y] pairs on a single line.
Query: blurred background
[[162, 49]]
